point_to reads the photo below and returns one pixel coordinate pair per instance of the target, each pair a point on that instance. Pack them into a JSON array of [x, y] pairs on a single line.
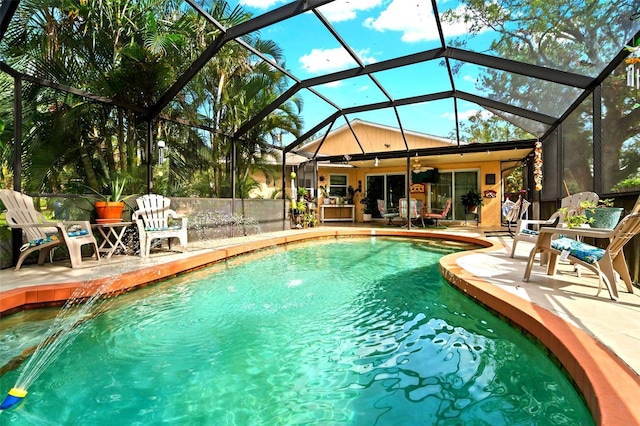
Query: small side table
[[111, 237]]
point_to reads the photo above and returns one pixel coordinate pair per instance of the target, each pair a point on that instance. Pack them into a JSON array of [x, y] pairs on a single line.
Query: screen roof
[[422, 66]]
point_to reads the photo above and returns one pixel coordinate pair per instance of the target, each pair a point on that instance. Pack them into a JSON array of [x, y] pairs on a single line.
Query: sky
[[377, 30]]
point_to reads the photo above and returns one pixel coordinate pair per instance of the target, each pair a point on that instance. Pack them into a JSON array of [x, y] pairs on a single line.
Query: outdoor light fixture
[[376, 162], [161, 146]]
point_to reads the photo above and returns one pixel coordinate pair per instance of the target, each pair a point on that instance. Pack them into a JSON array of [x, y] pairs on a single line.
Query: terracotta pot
[[109, 212]]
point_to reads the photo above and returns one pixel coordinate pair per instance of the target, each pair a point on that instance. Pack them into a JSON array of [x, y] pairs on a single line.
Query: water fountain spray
[[65, 327]]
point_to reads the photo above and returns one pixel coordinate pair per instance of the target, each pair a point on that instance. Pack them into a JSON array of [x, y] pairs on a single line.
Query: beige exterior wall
[[373, 139]]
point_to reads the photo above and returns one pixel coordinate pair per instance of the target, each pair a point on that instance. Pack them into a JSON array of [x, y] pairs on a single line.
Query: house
[[377, 159]]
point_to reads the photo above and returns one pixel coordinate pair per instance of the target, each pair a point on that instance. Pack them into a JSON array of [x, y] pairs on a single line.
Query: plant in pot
[[109, 209], [369, 204], [603, 214], [595, 215], [302, 193], [324, 191], [574, 217], [351, 193], [471, 201]]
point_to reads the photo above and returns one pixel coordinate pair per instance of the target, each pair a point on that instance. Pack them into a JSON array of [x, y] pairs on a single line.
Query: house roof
[[360, 143]]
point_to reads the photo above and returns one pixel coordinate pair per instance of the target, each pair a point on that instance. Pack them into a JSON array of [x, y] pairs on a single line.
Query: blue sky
[[376, 30]]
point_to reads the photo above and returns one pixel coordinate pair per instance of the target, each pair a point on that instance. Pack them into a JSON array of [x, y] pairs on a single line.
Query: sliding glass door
[[452, 185], [389, 188]]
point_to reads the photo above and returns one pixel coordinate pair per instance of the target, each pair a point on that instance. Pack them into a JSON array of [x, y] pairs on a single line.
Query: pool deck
[[596, 339]]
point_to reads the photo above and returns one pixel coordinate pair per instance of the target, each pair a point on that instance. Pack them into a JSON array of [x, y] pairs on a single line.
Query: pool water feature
[[358, 331]]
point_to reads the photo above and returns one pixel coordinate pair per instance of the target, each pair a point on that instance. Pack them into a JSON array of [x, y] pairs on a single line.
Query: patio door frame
[[390, 195], [458, 211]]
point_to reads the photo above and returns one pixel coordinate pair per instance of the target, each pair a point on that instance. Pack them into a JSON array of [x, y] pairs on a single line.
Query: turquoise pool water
[[353, 332]]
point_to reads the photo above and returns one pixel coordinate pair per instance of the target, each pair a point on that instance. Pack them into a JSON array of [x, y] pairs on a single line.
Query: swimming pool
[[358, 331]]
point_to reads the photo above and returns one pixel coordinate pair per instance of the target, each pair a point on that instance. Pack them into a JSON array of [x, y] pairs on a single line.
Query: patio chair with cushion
[[437, 216], [415, 210], [43, 235], [387, 214], [156, 221], [605, 262], [527, 230]]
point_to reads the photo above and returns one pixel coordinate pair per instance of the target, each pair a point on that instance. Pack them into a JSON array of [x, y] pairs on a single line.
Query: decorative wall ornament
[[537, 166], [633, 65]]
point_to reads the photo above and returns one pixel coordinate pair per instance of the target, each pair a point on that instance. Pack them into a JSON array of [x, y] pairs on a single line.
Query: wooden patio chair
[[605, 262], [43, 235], [156, 221]]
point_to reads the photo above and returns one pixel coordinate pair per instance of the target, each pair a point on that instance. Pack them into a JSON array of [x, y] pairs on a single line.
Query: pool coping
[[608, 385]]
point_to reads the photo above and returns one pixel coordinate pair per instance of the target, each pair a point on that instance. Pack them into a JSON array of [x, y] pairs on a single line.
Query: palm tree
[[132, 52]]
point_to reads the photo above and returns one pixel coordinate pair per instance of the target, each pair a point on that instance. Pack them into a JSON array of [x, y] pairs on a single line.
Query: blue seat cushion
[[585, 252], [529, 231], [34, 243], [78, 233]]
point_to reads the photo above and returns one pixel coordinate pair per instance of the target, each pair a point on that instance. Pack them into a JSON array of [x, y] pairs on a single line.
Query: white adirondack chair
[[43, 235], [153, 220]]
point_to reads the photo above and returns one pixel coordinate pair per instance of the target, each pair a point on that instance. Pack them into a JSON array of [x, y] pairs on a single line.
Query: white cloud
[[260, 4], [339, 11], [414, 19], [328, 60], [333, 84]]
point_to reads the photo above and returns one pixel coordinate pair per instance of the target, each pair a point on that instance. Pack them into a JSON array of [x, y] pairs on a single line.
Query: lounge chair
[[415, 210], [43, 235], [154, 220], [387, 214], [437, 216], [527, 230], [604, 262]]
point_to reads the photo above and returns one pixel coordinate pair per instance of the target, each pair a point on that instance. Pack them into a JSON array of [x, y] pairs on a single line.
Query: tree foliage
[[132, 52], [575, 36]]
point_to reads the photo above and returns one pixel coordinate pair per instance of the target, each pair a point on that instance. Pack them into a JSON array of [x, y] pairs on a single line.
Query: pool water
[[354, 332]]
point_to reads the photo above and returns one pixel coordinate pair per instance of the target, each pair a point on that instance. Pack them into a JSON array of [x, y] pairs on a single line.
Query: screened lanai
[[215, 89]]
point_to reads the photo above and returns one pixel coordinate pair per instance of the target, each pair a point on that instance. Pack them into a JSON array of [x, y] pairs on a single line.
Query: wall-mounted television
[[430, 176]]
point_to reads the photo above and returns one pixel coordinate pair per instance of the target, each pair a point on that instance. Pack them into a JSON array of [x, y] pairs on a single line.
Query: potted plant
[[324, 191], [109, 209], [302, 193], [369, 204], [471, 201], [574, 218], [298, 210], [603, 215], [351, 193]]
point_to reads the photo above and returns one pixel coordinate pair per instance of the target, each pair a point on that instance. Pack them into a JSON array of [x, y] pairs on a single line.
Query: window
[[337, 185]]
